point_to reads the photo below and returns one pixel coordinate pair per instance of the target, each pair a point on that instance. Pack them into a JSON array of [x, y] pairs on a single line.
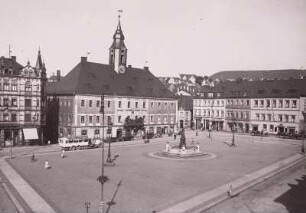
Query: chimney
[[58, 75], [83, 59], [146, 68], [13, 58]]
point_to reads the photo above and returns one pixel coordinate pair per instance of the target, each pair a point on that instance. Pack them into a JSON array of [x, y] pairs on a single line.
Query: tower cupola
[[118, 50]]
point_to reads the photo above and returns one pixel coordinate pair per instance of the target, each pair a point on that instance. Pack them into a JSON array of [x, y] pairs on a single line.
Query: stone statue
[[183, 139]]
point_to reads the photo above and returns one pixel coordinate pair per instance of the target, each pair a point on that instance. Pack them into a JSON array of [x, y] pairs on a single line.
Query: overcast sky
[[175, 36]]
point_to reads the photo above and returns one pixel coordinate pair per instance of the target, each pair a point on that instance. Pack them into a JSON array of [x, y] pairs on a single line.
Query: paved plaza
[[140, 183]]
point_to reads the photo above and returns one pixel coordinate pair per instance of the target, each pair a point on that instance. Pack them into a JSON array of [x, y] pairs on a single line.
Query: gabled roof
[[260, 74], [94, 78], [6, 63]]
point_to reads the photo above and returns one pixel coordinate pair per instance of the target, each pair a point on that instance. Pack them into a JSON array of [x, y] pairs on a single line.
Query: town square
[[152, 106]]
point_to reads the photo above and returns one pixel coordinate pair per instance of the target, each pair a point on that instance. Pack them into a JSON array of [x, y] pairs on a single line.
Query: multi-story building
[[270, 106], [209, 110], [22, 100], [75, 102], [184, 113]]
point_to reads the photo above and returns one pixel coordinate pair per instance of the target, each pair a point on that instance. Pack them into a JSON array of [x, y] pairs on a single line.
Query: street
[[283, 193]]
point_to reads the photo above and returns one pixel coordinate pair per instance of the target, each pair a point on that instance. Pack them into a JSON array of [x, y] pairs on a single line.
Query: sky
[[172, 37]]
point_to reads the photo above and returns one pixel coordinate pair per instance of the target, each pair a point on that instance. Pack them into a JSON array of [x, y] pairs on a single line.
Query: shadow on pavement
[[294, 198], [112, 202]]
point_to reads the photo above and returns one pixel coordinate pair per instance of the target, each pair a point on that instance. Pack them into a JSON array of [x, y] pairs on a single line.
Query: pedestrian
[[49, 142], [174, 135], [47, 165], [63, 154]]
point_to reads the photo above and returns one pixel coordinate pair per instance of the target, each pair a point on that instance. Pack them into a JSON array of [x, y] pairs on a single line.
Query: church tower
[[118, 50]]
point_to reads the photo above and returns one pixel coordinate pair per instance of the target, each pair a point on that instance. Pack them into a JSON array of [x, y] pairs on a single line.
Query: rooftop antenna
[[10, 51]]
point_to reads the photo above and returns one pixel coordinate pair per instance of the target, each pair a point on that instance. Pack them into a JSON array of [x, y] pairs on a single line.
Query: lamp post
[[109, 132], [87, 206], [303, 133], [102, 169]]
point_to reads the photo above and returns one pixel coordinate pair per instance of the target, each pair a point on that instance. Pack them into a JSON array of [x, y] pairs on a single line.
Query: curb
[[211, 198]]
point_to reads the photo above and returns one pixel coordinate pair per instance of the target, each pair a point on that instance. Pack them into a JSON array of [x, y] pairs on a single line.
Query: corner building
[[74, 103]]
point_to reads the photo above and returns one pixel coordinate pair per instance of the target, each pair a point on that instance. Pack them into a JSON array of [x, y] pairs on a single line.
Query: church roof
[[94, 78]]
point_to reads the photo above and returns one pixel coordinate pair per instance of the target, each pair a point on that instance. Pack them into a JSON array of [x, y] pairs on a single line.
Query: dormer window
[[28, 87]]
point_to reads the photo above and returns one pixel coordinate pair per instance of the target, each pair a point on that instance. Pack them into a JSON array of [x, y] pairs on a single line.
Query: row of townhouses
[[31, 106], [272, 106]]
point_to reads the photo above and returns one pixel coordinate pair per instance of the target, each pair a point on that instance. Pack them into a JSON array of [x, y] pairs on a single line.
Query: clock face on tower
[[121, 69]]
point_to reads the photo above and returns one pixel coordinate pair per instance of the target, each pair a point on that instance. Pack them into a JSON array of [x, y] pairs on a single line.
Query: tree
[[133, 125]]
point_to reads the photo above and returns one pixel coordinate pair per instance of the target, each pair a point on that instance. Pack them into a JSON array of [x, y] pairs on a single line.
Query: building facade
[[273, 106], [21, 100], [74, 103]]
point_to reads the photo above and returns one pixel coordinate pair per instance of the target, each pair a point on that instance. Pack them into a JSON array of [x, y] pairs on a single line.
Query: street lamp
[[87, 206], [303, 133], [109, 132], [102, 179]]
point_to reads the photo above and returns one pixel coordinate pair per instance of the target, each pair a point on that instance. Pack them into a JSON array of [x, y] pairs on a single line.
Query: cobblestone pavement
[[140, 183], [284, 193]]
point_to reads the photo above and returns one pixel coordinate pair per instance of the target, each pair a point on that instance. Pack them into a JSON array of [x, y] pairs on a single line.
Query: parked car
[[255, 132], [149, 135]]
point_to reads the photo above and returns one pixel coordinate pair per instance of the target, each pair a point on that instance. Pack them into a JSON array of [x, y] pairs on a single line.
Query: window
[[13, 117], [82, 103], [108, 104], [280, 118], [293, 118], [261, 103], [84, 132], [109, 120], [97, 119], [151, 118], [293, 103], [287, 104], [28, 87], [69, 118], [159, 105], [119, 119], [90, 119], [98, 104], [152, 105], [269, 117], [273, 103], [247, 102], [286, 118], [256, 103], [268, 103], [27, 103], [97, 131], [90, 103], [119, 104], [6, 117], [82, 119], [263, 117], [27, 117], [257, 116], [6, 86], [280, 103], [129, 104], [14, 87], [144, 105], [136, 104], [271, 128]]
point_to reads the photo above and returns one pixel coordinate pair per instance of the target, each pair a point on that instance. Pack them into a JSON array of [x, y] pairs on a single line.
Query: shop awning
[[30, 134]]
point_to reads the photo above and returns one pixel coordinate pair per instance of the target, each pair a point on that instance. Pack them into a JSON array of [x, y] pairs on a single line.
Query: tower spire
[[118, 50]]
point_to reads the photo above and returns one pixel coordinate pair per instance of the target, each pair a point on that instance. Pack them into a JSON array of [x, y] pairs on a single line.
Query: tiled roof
[[292, 88], [93, 78], [11, 63], [186, 102], [259, 74]]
